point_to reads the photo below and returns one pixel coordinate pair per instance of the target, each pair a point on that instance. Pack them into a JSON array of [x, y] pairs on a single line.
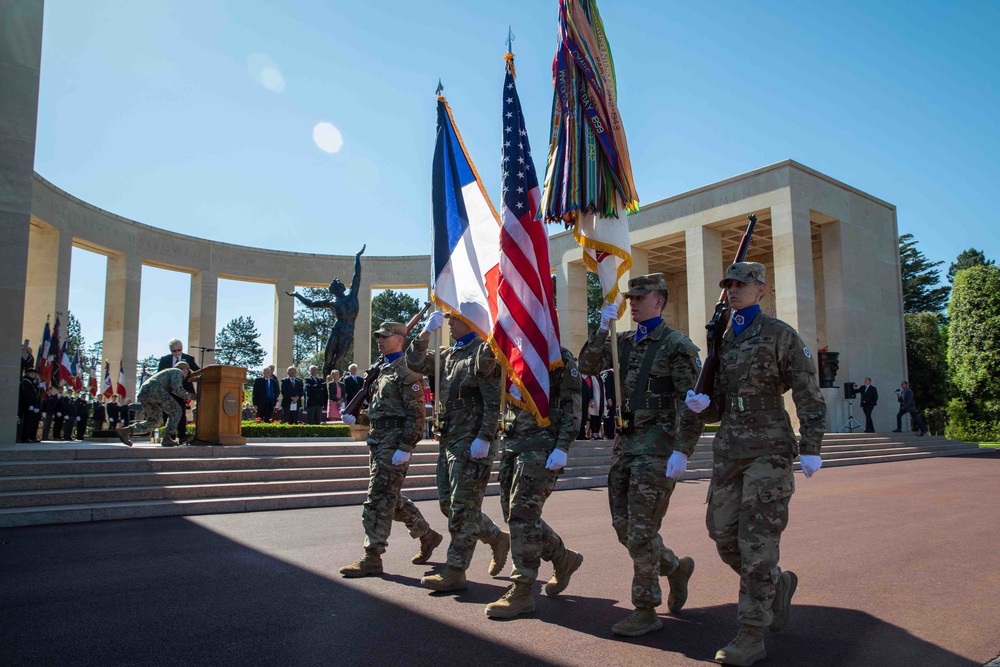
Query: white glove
[[434, 322], [676, 465], [480, 449], [609, 313], [350, 420], [810, 463], [400, 457], [557, 460], [697, 402]]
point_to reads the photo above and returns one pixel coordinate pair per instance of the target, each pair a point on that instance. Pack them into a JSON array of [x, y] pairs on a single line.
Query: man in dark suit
[[907, 405], [82, 412], [265, 394], [352, 383], [114, 418], [292, 391], [98, 414], [869, 398], [169, 361]]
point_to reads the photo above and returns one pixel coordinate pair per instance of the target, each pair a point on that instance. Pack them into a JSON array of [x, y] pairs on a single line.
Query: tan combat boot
[[429, 541], [783, 592], [563, 568], [678, 580], [368, 565], [517, 600], [125, 435], [501, 547], [452, 579], [638, 623], [168, 441], [746, 649]]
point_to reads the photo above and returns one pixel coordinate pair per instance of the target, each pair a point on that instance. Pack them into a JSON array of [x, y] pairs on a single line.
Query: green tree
[[974, 337], [966, 260], [150, 364], [73, 335], [595, 300], [920, 279], [927, 359], [392, 306], [238, 344], [93, 357]]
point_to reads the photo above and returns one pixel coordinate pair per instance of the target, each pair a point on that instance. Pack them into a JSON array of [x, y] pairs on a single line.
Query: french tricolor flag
[[466, 232]]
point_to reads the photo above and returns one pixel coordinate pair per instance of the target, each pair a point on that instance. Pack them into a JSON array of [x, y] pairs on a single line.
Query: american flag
[[526, 334]]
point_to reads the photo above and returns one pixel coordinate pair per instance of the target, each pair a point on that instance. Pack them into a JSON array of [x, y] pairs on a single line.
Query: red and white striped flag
[[122, 391], [525, 337]]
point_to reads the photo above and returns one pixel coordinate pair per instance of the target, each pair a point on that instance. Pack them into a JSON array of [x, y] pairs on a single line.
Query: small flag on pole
[[122, 391], [42, 366], [525, 337], [465, 231], [108, 391], [65, 366]]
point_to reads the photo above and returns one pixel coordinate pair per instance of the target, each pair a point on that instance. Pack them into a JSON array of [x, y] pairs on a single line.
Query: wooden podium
[[220, 403]]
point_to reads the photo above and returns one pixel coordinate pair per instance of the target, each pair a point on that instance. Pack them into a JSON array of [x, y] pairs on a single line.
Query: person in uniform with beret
[[760, 358], [658, 366], [395, 417]]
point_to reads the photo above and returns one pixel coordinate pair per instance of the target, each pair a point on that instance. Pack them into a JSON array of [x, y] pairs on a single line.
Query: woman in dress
[[335, 393]]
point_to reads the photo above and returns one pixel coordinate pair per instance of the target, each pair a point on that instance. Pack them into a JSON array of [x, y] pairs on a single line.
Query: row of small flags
[[56, 366], [492, 271]]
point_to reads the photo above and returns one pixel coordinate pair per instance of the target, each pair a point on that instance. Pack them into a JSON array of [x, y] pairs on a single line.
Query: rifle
[[354, 406], [720, 320]]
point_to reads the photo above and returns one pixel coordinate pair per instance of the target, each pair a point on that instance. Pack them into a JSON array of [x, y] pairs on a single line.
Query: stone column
[[363, 330], [640, 267], [42, 281], [284, 327], [703, 246], [201, 322], [571, 304], [794, 289], [20, 60], [836, 318], [121, 317]]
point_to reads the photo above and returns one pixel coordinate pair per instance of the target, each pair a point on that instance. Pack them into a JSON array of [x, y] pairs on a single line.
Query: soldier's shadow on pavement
[[816, 636]]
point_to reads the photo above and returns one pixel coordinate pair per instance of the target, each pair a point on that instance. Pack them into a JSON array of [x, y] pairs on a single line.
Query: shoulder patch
[[415, 387], [697, 362], [574, 373], [806, 352]]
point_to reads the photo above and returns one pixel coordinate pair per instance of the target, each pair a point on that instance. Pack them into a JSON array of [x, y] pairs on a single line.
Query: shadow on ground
[[173, 592]]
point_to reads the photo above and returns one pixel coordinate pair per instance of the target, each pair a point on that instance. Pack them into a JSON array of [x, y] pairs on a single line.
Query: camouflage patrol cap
[[645, 284], [745, 272], [391, 329]]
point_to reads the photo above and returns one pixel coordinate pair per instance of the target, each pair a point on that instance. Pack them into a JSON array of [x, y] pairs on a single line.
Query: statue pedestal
[[359, 433]]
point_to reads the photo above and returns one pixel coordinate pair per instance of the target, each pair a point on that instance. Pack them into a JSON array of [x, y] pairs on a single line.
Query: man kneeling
[[156, 396]]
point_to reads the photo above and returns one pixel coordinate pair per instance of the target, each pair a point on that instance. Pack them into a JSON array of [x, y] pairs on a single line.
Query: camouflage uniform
[[395, 416], [157, 397], [469, 392], [638, 488], [525, 483], [754, 449]]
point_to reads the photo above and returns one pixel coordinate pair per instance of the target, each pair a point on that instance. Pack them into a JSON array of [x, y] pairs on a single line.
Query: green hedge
[[279, 430]]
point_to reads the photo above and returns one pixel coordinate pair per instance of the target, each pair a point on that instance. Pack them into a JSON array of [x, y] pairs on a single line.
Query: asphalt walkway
[[898, 564]]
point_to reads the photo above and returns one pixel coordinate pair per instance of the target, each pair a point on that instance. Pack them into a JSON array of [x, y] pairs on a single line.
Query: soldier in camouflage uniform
[[395, 416], [760, 359], [532, 459], [157, 397], [658, 366], [468, 396]]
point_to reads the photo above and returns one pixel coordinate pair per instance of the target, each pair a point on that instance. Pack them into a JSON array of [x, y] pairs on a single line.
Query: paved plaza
[[899, 564]]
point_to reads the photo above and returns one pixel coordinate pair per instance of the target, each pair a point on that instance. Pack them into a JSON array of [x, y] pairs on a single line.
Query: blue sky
[[200, 117]]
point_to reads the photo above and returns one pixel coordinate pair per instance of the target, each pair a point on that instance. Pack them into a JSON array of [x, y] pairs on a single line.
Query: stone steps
[[87, 482]]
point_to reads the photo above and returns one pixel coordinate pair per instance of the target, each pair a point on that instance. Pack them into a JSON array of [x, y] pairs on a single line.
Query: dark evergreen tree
[[237, 344], [966, 260], [921, 277]]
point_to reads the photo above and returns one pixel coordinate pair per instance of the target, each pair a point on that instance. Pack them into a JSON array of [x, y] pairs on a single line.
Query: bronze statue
[[344, 304]]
